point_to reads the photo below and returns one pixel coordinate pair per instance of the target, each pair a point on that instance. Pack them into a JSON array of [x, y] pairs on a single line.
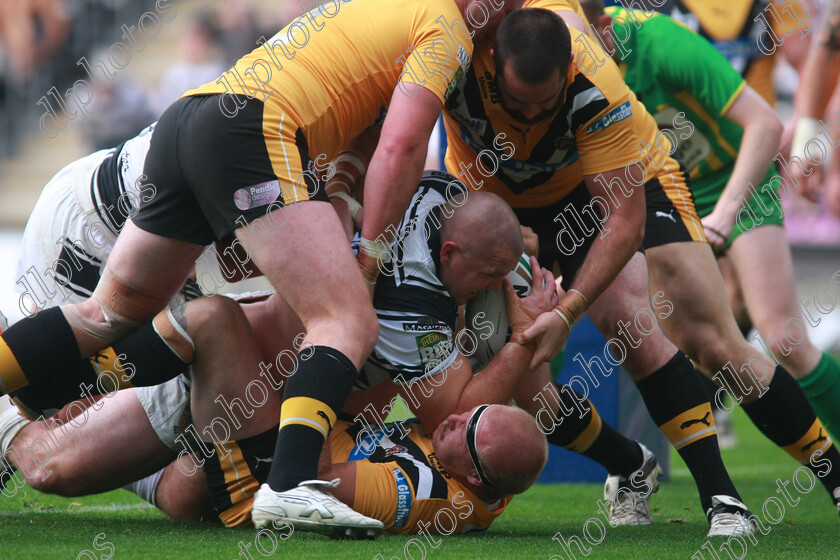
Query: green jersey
[[673, 70]]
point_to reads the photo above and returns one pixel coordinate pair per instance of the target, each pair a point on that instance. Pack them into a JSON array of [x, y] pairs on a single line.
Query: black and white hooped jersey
[[118, 186], [417, 315]]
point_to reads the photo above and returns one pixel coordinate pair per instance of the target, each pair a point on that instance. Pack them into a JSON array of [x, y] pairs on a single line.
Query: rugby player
[[225, 155], [573, 133], [398, 354], [725, 153]]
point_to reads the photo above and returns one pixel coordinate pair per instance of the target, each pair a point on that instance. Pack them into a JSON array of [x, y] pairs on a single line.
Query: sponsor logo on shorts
[[616, 115], [258, 195], [403, 498]]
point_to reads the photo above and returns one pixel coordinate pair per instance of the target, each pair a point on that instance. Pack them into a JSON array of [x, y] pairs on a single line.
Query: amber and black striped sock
[[592, 437], [785, 416], [676, 400], [312, 398]]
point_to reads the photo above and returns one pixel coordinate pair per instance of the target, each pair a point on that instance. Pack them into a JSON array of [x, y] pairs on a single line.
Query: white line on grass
[[85, 509]]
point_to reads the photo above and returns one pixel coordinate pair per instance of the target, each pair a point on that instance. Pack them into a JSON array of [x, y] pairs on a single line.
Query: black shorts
[[671, 215], [213, 173], [567, 228]]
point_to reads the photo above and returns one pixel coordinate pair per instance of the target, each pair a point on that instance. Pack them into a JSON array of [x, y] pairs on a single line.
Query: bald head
[[512, 450], [483, 224]]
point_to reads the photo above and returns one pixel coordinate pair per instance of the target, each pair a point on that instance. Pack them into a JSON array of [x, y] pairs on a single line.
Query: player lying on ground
[[550, 149], [584, 432], [237, 151]]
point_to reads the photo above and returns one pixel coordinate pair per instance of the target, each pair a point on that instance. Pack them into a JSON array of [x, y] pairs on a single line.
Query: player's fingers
[[531, 334], [536, 275], [548, 278]]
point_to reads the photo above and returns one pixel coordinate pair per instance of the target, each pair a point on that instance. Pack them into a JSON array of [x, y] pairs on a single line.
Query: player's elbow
[[403, 152], [774, 128]]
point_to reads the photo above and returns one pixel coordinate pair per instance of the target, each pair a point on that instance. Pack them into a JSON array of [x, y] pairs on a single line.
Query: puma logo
[[323, 415], [704, 420], [660, 214], [258, 460], [820, 438]]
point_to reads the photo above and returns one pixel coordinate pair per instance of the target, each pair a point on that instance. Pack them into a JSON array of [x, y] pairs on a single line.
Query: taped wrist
[[572, 307], [370, 255], [806, 130]]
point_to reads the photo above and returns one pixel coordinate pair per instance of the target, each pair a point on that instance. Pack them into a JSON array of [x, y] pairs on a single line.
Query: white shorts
[[168, 408], [65, 226]]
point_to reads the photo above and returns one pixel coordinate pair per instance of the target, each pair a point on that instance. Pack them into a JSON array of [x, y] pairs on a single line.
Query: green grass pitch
[[34, 526]]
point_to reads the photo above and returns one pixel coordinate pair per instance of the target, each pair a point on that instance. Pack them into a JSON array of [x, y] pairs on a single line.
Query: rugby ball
[[486, 315]]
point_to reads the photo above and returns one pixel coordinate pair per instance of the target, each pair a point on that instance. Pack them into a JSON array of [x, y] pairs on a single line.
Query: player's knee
[[207, 317], [711, 353], [182, 498], [366, 328]]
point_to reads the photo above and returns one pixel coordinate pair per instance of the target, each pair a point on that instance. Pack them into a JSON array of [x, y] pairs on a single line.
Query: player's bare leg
[[315, 272], [764, 270], [702, 324], [143, 273], [92, 458]]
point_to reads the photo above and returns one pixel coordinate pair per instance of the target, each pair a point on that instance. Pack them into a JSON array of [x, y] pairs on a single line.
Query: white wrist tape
[[352, 204], [806, 129], [353, 159], [374, 249]]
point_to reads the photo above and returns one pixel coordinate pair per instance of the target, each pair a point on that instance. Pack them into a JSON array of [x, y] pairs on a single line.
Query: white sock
[[146, 487]]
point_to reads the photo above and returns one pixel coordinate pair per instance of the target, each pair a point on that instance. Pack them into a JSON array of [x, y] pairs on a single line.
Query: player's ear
[[472, 478], [447, 251]]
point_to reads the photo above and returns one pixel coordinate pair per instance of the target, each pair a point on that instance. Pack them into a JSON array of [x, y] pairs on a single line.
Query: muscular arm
[[397, 163], [605, 259], [456, 389], [347, 179], [626, 225], [762, 131]]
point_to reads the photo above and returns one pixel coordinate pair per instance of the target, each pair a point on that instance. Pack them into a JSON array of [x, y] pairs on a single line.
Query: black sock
[[711, 390], [140, 359], [785, 416], [592, 437], [34, 349], [313, 396], [234, 480], [147, 358], [677, 402]]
